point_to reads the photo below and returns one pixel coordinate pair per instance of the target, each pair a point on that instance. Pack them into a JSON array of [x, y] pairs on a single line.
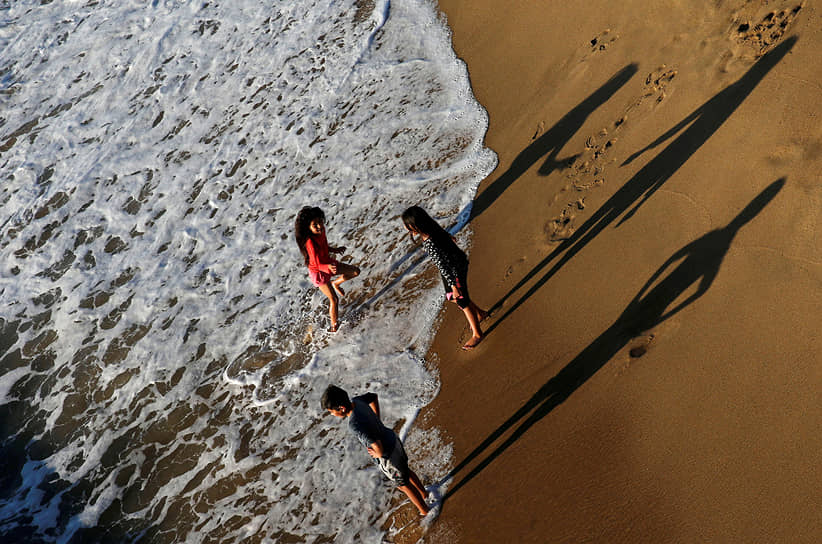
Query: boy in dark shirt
[[382, 443]]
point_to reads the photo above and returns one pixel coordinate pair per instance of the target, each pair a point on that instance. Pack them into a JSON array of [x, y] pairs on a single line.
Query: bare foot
[[472, 343], [338, 289], [482, 314], [334, 327]]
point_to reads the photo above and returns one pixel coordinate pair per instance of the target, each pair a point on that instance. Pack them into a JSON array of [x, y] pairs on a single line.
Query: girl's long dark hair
[[416, 218], [301, 232]]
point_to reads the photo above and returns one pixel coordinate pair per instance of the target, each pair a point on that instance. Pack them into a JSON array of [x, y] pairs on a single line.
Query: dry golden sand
[[651, 244]]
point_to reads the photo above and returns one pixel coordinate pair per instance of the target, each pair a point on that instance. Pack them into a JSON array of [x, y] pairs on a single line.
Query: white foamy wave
[[162, 351]]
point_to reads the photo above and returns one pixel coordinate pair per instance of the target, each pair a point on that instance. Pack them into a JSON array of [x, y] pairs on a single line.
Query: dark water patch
[[43, 362], [88, 261], [22, 130], [39, 320], [120, 347], [56, 202], [8, 335], [12, 360], [38, 344], [95, 300], [48, 298], [114, 316], [87, 236], [56, 270], [114, 245], [101, 395]]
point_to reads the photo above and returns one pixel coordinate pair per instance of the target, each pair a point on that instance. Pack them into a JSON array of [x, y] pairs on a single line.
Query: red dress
[[319, 259]]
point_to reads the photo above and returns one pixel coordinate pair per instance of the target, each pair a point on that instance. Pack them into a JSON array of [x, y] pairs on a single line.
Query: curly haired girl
[[309, 230]]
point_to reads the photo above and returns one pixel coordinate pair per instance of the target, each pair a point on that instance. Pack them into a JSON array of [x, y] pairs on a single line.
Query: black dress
[[452, 264]]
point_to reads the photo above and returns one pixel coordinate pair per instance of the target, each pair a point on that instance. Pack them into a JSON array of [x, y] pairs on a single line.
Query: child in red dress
[[309, 230]]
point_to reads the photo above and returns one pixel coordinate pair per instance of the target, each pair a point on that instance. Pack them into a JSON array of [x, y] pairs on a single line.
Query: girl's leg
[[472, 312], [332, 304], [472, 316], [346, 272], [479, 312]]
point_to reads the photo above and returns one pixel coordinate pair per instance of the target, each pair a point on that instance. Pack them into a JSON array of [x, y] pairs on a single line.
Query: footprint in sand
[[603, 40], [561, 227], [762, 33], [587, 168], [511, 270], [539, 131], [657, 86], [508, 272], [640, 346], [584, 171], [636, 348], [657, 82]]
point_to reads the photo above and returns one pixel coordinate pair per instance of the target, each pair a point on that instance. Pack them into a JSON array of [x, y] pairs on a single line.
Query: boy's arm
[[374, 402], [375, 450]]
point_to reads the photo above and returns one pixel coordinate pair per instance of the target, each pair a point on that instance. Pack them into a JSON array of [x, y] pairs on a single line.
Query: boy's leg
[[396, 469], [415, 481], [416, 498], [332, 304]]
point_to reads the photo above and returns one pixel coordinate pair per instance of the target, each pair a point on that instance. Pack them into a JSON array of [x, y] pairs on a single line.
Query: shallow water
[[162, 351]]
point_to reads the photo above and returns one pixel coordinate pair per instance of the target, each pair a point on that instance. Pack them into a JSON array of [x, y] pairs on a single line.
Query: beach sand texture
[[650, 246]]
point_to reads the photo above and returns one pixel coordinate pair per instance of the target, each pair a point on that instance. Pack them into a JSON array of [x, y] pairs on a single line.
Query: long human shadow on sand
[[550, 143], [701, 124], [659, 299]]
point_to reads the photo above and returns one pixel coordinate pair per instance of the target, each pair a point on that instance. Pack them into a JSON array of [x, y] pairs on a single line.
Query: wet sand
[[651, 247]]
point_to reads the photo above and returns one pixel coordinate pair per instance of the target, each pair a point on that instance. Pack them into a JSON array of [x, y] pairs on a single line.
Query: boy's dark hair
[[335, 398]]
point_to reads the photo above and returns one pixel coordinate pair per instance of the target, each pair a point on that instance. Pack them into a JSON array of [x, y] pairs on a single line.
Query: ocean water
[[162, 351]]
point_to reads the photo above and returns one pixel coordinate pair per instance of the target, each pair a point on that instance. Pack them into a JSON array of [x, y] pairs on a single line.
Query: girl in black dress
[[452, 264]]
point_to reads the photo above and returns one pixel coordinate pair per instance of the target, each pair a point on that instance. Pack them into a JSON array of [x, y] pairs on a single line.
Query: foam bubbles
[[162, 352]]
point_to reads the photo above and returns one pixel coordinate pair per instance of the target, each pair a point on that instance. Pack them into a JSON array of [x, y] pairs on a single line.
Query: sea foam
[[162, 351]]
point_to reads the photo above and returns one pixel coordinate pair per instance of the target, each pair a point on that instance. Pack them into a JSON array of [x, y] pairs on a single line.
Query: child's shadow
[[701, 124], [547, 145], [550, 143], [699, 263]]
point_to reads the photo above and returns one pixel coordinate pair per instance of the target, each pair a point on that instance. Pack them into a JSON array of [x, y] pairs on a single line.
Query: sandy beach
[[650, 247]]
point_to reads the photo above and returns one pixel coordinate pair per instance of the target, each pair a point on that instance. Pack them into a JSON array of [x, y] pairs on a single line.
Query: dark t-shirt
[[367, 427]]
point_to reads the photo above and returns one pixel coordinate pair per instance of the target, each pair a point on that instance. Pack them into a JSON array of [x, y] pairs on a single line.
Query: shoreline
[[645, 376]]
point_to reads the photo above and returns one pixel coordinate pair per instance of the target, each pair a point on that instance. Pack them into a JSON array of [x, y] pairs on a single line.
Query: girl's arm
[[455, 291]]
